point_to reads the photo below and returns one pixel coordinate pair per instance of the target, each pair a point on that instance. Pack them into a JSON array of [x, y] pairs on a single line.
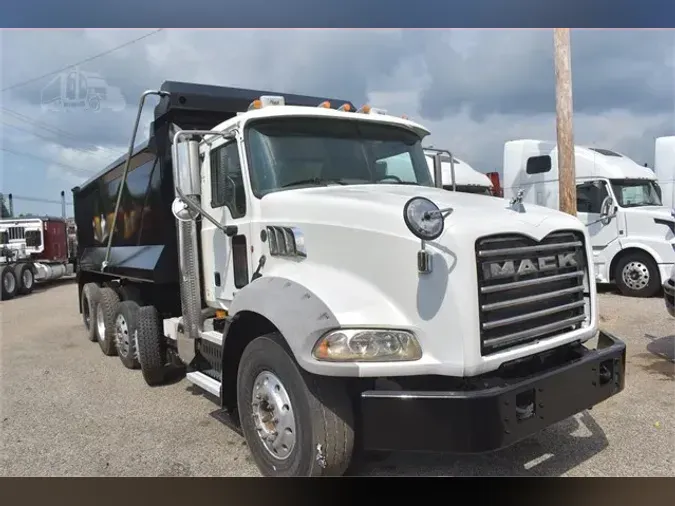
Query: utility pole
[[564, 128]]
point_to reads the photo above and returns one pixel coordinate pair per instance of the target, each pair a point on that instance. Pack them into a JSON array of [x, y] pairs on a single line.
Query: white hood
[[379, 207], [361, 260]]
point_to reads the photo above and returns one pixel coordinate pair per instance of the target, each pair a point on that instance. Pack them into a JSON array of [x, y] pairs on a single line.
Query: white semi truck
[[259, 242], [632, 233], [664, 168], [458, 175]]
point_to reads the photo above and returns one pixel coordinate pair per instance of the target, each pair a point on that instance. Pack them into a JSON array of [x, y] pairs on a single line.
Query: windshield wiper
[[314, 180]]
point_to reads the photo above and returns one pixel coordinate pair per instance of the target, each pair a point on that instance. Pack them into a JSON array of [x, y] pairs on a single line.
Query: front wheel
[[637, 275], [295, 423]]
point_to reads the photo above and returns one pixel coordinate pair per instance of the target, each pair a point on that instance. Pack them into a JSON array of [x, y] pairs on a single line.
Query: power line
[[55, 130], [52, 162], [35, 199], [28, 81], [50, 139]]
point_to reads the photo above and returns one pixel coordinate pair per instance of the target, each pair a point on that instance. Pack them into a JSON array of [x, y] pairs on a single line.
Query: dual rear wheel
[[126, 329], [295, 423], [17, 279]]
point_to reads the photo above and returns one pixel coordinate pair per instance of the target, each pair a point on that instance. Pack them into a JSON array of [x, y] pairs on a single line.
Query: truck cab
[[619, 201], [304, 269], [459, 176], [664, 168]]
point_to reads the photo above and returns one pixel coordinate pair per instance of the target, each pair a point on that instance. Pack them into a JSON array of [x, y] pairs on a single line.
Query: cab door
[[590, 195], [226, 260]]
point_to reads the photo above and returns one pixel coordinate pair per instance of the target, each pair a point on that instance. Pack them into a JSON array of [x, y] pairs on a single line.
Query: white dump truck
[[632, 233], [259, 243]]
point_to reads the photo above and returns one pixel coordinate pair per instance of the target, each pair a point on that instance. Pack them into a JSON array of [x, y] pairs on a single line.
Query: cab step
[[204, 382]]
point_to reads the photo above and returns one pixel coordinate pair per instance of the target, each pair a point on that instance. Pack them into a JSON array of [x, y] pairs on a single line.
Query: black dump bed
[[144, 245]]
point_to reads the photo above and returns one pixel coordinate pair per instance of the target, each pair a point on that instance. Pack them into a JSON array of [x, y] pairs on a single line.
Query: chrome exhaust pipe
[[187, 181]]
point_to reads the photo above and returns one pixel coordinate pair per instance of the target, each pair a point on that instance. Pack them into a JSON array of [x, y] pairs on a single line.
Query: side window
[[396, 167], [227, 181], [538, 164], [590, 196]]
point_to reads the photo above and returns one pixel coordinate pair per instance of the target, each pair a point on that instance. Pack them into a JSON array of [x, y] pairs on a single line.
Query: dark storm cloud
[[487, 73], [512, 72]]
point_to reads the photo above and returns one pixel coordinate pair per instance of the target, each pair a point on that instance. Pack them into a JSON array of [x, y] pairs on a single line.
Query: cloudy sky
[[474, 89]]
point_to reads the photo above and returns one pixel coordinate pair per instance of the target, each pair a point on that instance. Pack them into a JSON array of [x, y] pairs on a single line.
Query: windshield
[[636, 192], [289, 153]]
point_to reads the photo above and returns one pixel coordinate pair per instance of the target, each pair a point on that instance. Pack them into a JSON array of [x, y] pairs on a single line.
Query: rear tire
[[91, 294], [306, 420], [637, 275], [151, 352], [105, 321], [25, 278], [126, 323], [9, 283]]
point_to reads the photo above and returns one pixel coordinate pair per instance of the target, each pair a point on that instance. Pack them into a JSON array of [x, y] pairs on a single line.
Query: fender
[[662, 252], [304, 304]]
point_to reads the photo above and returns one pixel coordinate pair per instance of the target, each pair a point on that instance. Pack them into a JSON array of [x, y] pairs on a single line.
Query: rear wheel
[[151, 352], [91, 294], [9, 283], [295, 423], [126, 323], [25, 278], [637, 275], [105, 320]]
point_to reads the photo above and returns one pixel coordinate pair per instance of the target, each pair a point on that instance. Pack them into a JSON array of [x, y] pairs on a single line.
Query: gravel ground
[[67, 410]]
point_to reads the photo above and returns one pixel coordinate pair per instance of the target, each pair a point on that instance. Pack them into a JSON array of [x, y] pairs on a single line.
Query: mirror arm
[[229, 230]]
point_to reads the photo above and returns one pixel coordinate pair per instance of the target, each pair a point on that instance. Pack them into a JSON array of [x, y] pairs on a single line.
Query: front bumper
[[669, 296], [493, 412]]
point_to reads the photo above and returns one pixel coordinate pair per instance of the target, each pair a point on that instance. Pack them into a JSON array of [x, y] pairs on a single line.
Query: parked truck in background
[[458, 175], [664, 168], [669, 293], [261, 243], [34, 250], [632, 233]]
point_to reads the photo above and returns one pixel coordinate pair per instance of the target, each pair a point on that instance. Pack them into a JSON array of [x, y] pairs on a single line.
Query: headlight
[[423, 218], [360, 345]]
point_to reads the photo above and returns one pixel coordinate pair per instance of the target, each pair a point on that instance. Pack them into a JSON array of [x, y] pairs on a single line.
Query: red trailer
[[496, 187], [34, 250]]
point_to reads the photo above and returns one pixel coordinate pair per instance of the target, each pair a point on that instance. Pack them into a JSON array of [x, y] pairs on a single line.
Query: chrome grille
[[16, 233], [529, 290]]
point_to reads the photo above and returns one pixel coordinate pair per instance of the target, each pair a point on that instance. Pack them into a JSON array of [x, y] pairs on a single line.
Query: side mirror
[[607, 210]]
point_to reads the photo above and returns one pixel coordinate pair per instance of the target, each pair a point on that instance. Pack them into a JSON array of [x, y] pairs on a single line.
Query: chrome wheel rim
[[635, 275], [100, 323], [27, 278], [122, 335], [273, 415], [9, 282]]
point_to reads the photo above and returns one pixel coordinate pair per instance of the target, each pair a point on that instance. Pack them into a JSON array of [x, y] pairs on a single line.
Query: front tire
[[105, 321], [126, 324], [295, 423], [9, 283], [151, 352], [637, 275]]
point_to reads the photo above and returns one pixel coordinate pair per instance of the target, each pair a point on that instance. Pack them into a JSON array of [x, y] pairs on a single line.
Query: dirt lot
[[67, 410]]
